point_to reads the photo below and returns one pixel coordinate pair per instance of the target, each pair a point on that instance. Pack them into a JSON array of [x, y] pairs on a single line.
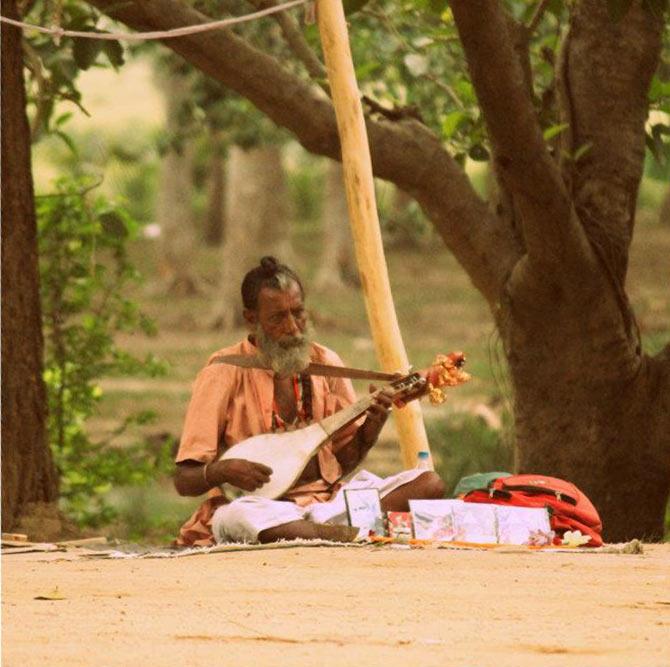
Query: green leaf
[[582, 151], [63, 118], [554, 131], [67, 140], [651, 145], [555, 7], [466, 91], [85, 51], [451, 122], [618, 9], [478, 153], [366, 70], [655, 143], [64, 71], [352, 6], [658, 90], [659, 129], [438, 6], [113, 224], [114, 52]]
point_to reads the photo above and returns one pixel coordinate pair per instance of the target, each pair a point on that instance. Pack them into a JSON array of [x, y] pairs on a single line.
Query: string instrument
[[289, 453]]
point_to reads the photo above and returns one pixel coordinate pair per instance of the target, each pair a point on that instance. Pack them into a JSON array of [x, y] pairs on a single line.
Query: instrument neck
[[407, 388], [349, 414]]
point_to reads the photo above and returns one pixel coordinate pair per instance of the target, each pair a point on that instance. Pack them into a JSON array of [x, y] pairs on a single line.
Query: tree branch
[[34, 64], [604, 181], [606, 107], [405, 153], [537, 16], [295, 40], [445, 87], [550, 229]]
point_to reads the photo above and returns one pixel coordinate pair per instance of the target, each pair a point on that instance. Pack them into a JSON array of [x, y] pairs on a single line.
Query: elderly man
[[230, 404]]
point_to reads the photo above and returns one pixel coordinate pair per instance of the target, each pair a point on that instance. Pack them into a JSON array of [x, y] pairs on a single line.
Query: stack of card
[[480, 523], [364, 510], [450, 520], [399, 525]]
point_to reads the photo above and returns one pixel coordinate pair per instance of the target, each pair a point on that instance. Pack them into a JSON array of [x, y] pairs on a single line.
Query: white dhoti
[[245, 517]]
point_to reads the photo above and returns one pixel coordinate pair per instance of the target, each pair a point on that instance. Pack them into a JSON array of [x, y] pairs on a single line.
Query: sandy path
[[338, 606]]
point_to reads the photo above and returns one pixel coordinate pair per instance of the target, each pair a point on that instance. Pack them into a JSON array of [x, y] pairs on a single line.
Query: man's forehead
[[280, 299]]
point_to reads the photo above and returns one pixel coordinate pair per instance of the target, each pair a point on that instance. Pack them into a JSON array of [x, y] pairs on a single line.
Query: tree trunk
[[174, 212], [400, 233], [216, 185], [257, 223], [338, 266], [589, 405], [28, 473], [664, 214], [588, 408]]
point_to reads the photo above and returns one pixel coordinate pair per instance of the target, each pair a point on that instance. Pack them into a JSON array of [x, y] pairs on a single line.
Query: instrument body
[[286, 453], [289, 453]]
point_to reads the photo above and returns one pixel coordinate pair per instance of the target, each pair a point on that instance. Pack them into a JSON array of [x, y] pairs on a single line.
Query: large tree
[[337, 262], [551, 256], [28, 473], [258, 223], [174, 197]]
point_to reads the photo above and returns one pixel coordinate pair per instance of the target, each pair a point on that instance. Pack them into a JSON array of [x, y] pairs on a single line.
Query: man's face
[[280, 326], [281, 313]]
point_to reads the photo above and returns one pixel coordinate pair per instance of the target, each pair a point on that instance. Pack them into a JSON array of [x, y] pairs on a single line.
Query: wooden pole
[[362, 205]]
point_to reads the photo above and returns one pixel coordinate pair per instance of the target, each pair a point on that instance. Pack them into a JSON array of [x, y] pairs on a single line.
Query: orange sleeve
[[206, 415], [342, 395]]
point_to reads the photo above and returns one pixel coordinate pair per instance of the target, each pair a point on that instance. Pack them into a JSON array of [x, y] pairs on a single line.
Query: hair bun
[[268, 273], [270, 265]]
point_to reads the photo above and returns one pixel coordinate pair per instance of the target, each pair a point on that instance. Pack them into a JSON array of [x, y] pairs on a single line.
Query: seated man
[[230, 404]]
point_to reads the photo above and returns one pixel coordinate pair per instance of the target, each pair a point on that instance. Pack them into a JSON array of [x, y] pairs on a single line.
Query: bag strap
[[540, 491]]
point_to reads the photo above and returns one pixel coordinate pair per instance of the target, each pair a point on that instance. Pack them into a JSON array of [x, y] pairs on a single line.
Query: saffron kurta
[[230, 404]]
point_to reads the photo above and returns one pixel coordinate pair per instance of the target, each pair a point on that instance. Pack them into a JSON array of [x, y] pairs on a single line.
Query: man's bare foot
[[307, 530]]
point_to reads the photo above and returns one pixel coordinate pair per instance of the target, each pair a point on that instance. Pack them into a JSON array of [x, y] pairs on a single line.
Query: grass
[[440, 313]]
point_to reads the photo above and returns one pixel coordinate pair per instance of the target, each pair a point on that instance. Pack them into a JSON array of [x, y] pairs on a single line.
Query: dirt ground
[[337, 606]]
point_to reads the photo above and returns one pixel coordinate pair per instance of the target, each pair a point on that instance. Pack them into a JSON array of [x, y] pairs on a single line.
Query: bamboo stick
[[359, 185]]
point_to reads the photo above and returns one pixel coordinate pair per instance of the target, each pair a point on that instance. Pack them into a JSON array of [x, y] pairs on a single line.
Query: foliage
[[407, 54], [149, 514], [85, 274], [239, 121], [54, 65], [306, 187], [658, 131], [402, 221], [129, 168], [465, 445]]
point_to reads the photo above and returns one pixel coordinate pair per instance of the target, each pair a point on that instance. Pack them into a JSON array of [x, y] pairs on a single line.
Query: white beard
[[288, 356]]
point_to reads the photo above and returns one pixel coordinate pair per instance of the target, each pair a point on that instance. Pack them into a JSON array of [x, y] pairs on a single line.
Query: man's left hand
[[377, 414]]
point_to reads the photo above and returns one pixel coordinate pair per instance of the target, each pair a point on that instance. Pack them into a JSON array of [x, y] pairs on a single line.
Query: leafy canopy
[[85, 274]]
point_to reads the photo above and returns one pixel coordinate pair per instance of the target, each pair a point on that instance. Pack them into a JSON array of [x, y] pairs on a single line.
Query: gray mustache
[[291, 342]]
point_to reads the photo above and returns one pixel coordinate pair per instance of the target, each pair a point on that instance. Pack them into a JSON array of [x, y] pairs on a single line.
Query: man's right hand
[[246, 475]]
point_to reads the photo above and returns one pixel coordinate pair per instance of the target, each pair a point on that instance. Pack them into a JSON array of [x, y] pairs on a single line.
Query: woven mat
[[632, 547], [85, 548]]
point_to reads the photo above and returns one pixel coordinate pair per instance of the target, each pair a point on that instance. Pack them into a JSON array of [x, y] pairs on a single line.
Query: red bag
[[569, 508]]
